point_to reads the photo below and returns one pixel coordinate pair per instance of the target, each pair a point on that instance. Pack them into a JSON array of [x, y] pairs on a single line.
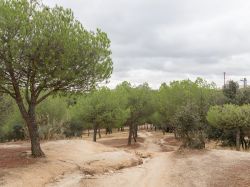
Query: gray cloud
[[158, 41]]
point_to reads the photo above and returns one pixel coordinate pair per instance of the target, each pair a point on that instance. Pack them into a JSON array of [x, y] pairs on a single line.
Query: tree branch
[[46, 95], [5, 90]]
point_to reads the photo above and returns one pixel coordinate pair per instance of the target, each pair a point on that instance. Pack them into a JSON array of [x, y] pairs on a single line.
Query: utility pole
[[224, 79], [244, 80]]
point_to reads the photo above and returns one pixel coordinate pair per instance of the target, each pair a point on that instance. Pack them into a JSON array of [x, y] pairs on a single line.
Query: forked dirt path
[[73, 163], [151, 173], [154, 173], [209, 168]]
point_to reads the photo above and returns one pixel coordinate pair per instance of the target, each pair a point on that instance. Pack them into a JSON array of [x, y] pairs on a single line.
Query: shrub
[[189, 128]]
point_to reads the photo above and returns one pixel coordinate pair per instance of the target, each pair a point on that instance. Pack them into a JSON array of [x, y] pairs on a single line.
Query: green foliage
[[44, 50], [13, 125], [243, 96], [230, 91], [98, 109], [229, 116], [171, 98], [6, 106], [232, 118], [139, 103], [188, 126], [49, 49], [52, 117]]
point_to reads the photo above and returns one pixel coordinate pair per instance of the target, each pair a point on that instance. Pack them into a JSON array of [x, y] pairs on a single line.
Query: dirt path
[[84, 163], [149, 148], [64, 158], [216, 168], [154, 168], [152, 173]]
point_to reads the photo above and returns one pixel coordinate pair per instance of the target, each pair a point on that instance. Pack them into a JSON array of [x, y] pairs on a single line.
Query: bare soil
[[15, 157], [65, 157], [169, 166], [154, 160], [122, 142]]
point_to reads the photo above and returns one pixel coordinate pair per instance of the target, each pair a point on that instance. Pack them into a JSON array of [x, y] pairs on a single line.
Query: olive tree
[[45, 50]]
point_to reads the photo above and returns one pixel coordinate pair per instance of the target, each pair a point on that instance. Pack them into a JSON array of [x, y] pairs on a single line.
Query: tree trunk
[[88, 132], [33, 132], [175, 134], [135, 131], [238, 139], [130, 134], [30, 120], [94, 134], [99, 132], [134, 137]]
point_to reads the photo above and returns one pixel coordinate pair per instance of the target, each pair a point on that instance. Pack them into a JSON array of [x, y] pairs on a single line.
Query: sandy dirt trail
[[151, 173], [84, 163], [66, 163], [209, 168], [132, 176]]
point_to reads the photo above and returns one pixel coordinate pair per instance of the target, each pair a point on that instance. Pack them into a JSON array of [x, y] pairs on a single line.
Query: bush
[[231, 118], [189, 128], [74, 129]]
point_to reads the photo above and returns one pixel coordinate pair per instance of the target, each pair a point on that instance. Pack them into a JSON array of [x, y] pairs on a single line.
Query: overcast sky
[[159, 41]]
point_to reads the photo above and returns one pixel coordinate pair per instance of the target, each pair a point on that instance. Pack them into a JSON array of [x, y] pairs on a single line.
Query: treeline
[[194, 111]]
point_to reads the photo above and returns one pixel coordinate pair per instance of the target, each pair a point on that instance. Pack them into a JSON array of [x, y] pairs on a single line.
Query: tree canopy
[[44, 50], [230, 116]]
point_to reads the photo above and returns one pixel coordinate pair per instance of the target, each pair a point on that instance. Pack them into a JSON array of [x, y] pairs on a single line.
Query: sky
[[158, 41]]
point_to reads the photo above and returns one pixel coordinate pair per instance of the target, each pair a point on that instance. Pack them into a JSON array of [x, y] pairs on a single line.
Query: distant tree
[[139, 105], [51, 116], [6, 106], [45, 50], [230, 91], [243, 96], [101, 109], [177, 94], [188, 126], [230, 116], [13, 125]]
